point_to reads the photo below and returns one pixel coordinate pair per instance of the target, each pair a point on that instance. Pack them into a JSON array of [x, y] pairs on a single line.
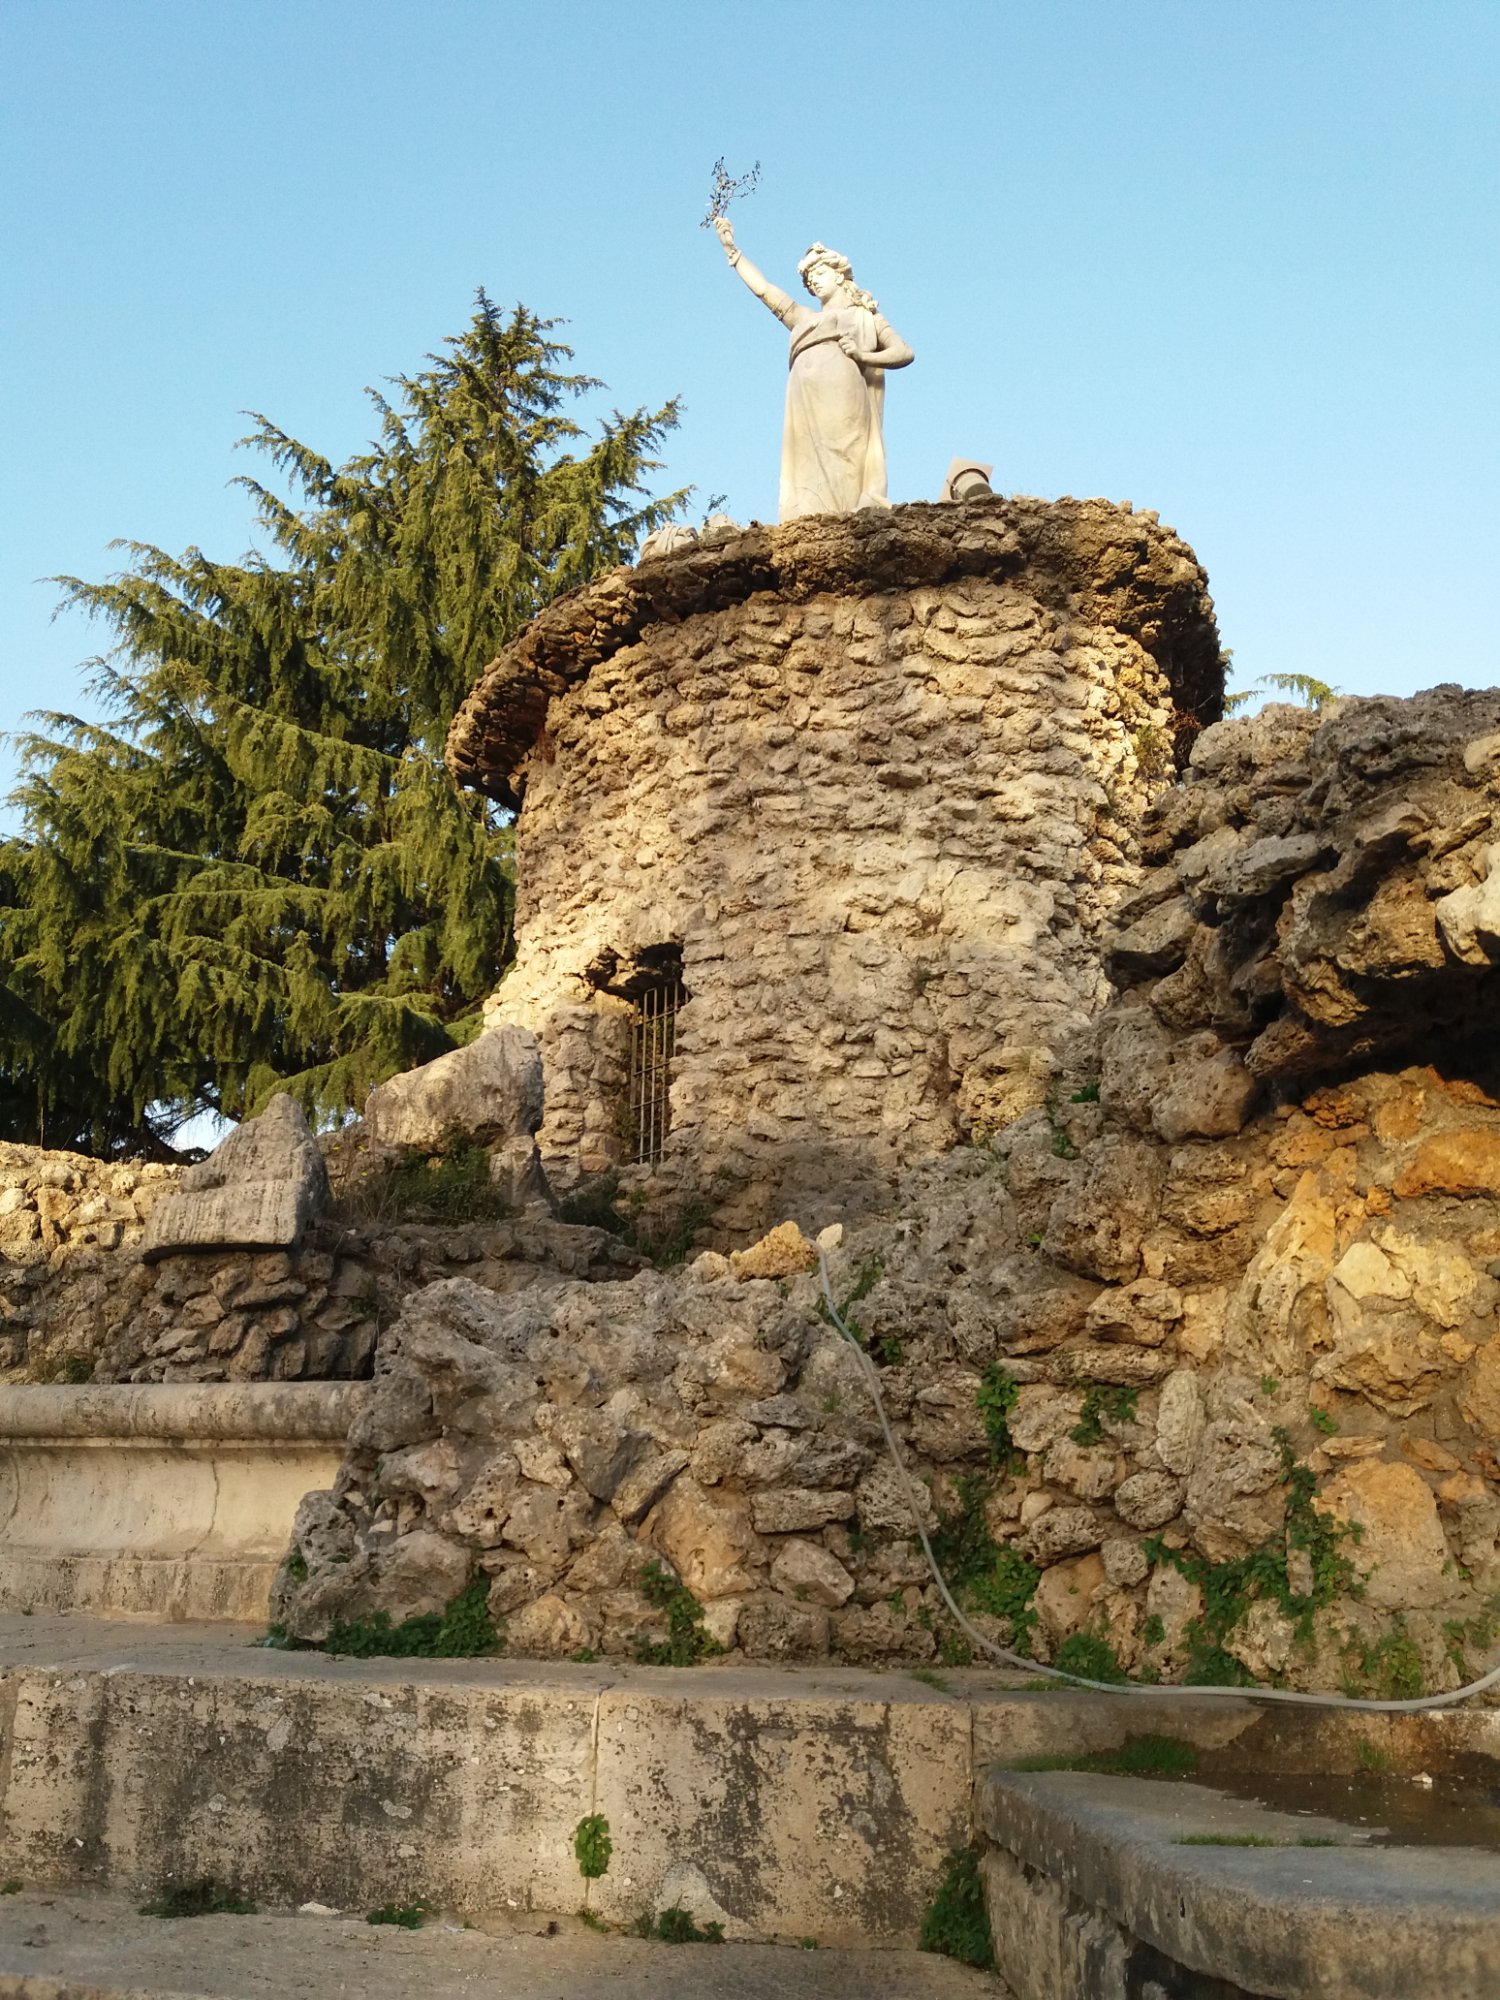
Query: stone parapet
[[172, 1501], [1114, 565]]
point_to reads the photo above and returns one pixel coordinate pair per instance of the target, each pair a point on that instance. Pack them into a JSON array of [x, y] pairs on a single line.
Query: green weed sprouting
[[405, 1916], [688, 1641], [203, 1898], [886, 1349], [982, 1573], [1390, 1667], [957, 1924], [600, 1202], [1136, 1757], [995, 1398], [592, 1846], [676, 1926], [1062, 1144], [1090, 1657], [451, 1186], [1229, 1589], [462, 1632], [1103, 1403]]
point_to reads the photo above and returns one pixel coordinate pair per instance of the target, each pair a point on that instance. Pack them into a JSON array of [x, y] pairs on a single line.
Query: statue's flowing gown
[[832, 450]]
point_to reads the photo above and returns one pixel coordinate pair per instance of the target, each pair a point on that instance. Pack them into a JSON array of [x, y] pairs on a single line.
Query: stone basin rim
[[185, 1411]]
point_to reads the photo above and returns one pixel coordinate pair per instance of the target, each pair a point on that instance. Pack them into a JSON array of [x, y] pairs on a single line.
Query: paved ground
[[98, 1948]]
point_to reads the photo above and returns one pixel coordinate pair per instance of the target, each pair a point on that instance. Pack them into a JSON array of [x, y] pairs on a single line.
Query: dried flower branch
[[726, 188]]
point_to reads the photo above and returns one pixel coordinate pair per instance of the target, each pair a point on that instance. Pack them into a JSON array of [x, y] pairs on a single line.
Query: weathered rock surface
[[870, 786], [260, 1189], [79, 1301], [1319, 894], [1234, 1312], [489, 1092]]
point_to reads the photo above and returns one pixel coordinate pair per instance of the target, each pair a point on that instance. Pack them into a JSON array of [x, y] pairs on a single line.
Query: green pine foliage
[[256, 874]]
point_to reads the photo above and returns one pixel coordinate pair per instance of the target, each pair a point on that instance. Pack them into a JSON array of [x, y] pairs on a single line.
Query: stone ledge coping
[[1348, 1922], [1124, 567], [187, 1412]]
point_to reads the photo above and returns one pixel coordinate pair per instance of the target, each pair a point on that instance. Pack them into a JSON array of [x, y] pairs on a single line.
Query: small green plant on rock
[[1153, 750], [1103, 1403], [1136, 1757], [600, 1202], [995, 1398], [1226, 1840], [983, 1574], [202, 1898], [885, 1348], [688, 1640], [957, 1924], [1389, 1667], [1323, 1420], [1090, 1658], [1230, 1588], [592, 1846], [1062, 1143], [464, 1631], [12, 1886], [1480, 1631], [454, 1186]]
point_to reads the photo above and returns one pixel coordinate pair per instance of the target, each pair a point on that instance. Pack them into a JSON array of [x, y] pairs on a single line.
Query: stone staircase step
[[74, 1947]]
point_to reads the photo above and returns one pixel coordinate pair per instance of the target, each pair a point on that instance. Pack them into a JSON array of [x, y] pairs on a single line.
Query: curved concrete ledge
[[1092, 1894], [163, 1500]]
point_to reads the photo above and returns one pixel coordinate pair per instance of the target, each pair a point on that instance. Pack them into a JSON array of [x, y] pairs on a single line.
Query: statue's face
[[822, 282]]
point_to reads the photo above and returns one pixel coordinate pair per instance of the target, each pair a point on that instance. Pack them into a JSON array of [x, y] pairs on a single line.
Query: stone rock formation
[[489, 1092], [1198, 1361], [259, 1189], [1317, 893], [857, 796]]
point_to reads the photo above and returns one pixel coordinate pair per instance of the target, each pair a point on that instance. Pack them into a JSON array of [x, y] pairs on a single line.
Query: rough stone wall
[[79, 1301], [70, 1230], [1247, 1321], [881, 791]]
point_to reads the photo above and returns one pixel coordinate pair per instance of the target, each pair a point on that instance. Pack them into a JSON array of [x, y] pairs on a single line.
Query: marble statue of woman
[[832, 450]]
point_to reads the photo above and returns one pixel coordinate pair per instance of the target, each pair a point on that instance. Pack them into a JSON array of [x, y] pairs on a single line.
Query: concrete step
[[101, 1948]]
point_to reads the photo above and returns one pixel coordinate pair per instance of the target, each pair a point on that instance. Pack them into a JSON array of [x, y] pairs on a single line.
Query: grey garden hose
[[872, 1381]]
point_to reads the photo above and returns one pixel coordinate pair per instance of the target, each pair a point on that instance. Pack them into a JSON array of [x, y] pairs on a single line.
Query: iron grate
[[653, 1038]]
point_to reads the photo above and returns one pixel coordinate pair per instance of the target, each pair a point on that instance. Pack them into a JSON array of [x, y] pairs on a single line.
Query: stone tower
[[818, 827]]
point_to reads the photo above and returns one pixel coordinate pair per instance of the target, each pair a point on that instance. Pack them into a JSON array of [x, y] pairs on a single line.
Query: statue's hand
[[853, 349], [724, 230]]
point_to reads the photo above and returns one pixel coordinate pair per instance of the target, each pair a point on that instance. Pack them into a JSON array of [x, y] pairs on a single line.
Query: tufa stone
[[260, 1189]]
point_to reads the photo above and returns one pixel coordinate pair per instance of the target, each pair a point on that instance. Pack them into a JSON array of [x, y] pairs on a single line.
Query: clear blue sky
[[1232, 259]]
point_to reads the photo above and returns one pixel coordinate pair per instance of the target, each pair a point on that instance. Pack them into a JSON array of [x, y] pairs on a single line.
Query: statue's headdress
[[819, 253]]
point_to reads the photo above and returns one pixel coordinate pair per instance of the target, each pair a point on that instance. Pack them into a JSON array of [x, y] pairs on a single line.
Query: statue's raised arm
[[832, 450]]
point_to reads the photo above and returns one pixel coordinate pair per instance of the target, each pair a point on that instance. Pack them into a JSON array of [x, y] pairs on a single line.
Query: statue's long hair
[[819, 253]]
